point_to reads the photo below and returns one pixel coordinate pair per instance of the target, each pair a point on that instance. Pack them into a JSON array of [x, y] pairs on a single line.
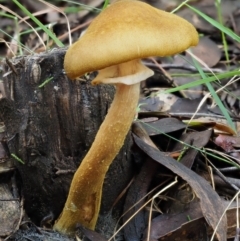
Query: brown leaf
[[207, 51], [164, 125], [168, 227], [187, 224], [211, 204], [195, 139], [135, 199], [228, 143], [92, 235]]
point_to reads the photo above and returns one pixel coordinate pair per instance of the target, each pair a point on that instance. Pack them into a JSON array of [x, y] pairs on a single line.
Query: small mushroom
[[115, 42]]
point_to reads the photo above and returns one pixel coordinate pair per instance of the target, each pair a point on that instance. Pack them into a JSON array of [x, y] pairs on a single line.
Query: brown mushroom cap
[[136, 30]]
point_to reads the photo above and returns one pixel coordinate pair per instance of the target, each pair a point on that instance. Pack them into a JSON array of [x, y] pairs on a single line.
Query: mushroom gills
[[127, 73]]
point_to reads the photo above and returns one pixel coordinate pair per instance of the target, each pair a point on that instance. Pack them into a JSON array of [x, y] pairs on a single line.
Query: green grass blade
[[45, 82], [106, 2], [216, 24], [17, 158], [215, 96], [220, 19], [203, 81], [44, 28]]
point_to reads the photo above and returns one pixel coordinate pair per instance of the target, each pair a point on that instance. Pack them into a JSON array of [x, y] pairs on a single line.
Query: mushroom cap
[[128, 30]]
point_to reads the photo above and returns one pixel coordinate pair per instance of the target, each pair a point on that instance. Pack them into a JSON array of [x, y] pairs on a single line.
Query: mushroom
[[115, 42]]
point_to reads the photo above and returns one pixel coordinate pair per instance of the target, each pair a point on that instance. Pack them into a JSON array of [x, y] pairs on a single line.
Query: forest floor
[[186, 134]]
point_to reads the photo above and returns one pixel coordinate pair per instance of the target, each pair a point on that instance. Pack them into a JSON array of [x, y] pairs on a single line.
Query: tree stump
[[51, 122]]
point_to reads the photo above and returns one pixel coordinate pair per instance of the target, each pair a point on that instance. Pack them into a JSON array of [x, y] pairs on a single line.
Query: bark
[[51, 128]]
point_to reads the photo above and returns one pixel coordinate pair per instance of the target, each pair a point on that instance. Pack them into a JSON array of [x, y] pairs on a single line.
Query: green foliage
[[216, 24], [215, 96], [17, 158], [219, 12], [106, 2], [45, 82], [43, 27], [206, 79]]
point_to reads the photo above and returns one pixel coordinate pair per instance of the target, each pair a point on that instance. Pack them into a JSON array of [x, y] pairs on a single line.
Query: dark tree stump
[[51, 128]]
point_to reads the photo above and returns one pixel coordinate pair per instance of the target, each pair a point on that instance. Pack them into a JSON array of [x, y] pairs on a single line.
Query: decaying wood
[[50, 127]]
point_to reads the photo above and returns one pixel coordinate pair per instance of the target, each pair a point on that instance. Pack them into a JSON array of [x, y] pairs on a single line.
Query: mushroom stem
[[83, 202]]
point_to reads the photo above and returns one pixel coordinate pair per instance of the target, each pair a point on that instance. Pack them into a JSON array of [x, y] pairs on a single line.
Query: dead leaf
[[228, 143], [214, 123], [188, 224], [211, 204], [207, 51], [165, 125], [92, 235], [194, 139], [135, 200]]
